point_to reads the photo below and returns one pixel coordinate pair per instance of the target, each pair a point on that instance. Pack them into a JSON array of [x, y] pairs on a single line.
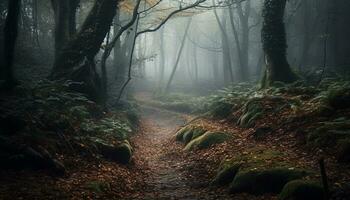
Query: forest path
[[168, 175]]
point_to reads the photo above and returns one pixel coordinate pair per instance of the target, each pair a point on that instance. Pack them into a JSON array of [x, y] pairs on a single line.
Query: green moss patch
[[188, 133], [206, 140], [301, 190], [120, 153], [266, 181]]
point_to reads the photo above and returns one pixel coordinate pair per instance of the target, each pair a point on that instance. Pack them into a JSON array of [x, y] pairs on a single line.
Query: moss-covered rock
[[187, 136], [197, 132], [206, 140], [338, 96], [226, 174], [120, 153], [188, 133], [329, 133], [301, 190], [265, 181], [180, 134]]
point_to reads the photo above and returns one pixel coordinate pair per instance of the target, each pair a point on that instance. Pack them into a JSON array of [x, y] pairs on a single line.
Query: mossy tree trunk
[[75, 60], [10, 36], [274, 42], [88, 40]]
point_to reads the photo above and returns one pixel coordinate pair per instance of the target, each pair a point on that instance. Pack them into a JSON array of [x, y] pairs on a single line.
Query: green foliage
[[301, 190], [178, 102], [266, 181], [111, 126]]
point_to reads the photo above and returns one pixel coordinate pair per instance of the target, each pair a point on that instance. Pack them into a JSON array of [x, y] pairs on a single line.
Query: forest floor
[[160, 168]]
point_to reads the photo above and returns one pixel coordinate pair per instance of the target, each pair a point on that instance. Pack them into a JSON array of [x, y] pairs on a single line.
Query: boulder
[[120, 153], [226, 174], [206, 140], [179, 134], [301, 190], [265, 181]]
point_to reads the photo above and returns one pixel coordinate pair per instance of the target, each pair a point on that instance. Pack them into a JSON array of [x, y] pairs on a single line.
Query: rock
[[179, 134], [339, 98], [226, 174], [187, 136], [266, 181], [206, 140], [301, 190], [119, 153], [198, 131]]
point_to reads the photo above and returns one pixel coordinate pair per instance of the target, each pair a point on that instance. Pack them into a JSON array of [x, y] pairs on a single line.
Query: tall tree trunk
[[178, 56], [10, 36], [274, 42], [161, 59], [117, 46], [65, 22], [225, 49], [87, 42], [238, 46], [244, 21]]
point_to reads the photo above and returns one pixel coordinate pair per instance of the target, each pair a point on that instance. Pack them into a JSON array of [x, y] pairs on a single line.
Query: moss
[[329, 133], [188, 133], [260, 158], [198, 132], [187, 136], [226, 174], [206, 140], [251, 111], [339, 97], [221, 109], [266, 181], [179, 134], [301, 190], [121, 153]]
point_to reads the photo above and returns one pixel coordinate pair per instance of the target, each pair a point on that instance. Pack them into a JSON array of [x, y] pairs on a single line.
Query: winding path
[[169, 175]]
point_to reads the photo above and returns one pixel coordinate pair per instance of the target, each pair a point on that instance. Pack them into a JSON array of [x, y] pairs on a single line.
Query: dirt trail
[[168, 174]]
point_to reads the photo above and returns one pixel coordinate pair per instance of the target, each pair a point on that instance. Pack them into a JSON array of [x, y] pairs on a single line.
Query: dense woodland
[[174, 99]]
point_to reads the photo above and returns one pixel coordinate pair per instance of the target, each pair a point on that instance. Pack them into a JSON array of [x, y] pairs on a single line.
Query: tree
[[87, 42], [65, 22], [178, 56], [10, 36], [75, 60], [274, 43], [225, 48]]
